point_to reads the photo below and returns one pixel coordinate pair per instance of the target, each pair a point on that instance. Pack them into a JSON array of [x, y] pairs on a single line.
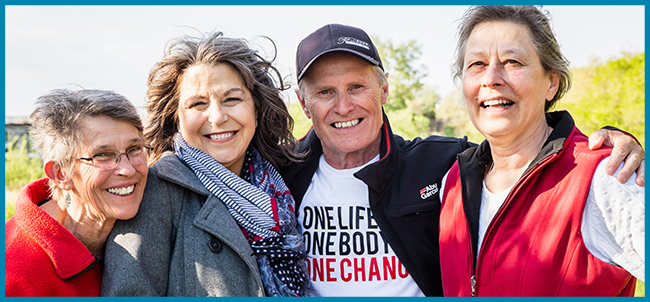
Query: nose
[[343, 103], [492, 76], [217, 115], [124, 166]]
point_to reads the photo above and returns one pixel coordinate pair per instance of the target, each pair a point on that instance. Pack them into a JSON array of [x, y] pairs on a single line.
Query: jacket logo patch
[[429, 190]]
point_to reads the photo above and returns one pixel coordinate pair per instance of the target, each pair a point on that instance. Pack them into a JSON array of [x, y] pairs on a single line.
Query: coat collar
[[376, 175], [172, 169], [562, 124], [473, 161], [68, 255], [379, 174], [213, 217]]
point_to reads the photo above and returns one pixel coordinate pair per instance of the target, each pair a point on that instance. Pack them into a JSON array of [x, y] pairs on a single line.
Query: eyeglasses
[[108, 160]]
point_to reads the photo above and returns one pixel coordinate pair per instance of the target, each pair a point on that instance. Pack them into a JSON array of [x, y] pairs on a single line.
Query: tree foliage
[[410, 106], [20, 167], [404, 77], [610, 93], [453, 113]]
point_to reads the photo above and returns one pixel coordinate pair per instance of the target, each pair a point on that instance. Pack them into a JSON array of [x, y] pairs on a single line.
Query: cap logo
[[353, 41]]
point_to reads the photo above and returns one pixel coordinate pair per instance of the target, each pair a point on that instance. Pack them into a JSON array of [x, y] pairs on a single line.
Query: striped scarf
[[280, 255]]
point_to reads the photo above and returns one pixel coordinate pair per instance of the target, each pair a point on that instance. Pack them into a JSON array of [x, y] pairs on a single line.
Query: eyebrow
[[506, 51], [233, 90], [512, 51], [226, 93], [110, 147]]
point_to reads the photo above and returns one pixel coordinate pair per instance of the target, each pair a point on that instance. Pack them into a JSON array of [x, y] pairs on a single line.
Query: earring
[[255, 123], [67, 198]]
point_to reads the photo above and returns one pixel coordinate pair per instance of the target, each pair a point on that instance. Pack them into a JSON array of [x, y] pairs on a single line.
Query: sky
[[114, 47]]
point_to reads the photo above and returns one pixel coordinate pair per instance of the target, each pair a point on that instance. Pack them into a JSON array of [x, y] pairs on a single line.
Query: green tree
[[404, 77], [609, 93], [21, 166], [453, 113], [410, 105]]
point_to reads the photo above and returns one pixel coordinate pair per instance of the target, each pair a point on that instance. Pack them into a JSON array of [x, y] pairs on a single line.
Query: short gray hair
[[542, 36], [55, 127]]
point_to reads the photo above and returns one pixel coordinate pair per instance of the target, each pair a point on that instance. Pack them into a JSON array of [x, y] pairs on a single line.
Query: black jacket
[[403, 192]]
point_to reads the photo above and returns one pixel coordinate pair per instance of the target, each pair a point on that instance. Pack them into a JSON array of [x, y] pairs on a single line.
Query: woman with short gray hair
[[531, 211], [54, 243]]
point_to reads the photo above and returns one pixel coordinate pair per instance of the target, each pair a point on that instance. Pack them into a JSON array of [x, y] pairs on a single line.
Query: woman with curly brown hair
[[216, 218]]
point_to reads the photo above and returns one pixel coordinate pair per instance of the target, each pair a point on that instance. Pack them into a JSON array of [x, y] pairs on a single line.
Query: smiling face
[[216, 113], [116, 193], [504, 84], [342, 96]]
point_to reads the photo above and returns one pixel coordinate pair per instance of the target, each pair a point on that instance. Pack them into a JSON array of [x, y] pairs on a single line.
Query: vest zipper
[[500, 212], [473, 284], [473, 260], [472, 279]]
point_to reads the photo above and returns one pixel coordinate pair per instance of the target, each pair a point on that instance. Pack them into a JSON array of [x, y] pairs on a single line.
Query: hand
[[625, 148]]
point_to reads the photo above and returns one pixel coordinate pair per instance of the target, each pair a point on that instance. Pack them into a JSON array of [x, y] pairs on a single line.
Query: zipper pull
[[473, 284]]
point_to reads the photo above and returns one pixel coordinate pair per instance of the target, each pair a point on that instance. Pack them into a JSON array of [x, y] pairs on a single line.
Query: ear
[[554, 85], [384, 91], [57, 175], [302, 104]]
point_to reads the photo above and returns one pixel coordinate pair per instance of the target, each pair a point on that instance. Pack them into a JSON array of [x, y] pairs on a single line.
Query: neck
[[92, 230], [349, 160], [510, 159]]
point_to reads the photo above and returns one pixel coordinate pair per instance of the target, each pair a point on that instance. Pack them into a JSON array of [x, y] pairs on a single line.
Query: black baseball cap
[[335, 37]]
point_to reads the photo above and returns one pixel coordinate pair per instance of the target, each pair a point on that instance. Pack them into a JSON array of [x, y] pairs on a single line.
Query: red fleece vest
[[533, 246]]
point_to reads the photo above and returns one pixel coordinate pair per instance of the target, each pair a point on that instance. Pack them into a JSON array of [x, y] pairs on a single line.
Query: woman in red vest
[[531, 211]]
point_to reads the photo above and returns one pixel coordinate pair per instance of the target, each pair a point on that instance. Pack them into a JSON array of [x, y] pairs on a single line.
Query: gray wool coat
[[182, 242]]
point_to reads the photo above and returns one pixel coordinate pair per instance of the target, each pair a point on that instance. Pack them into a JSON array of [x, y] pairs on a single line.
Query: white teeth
[[496, 103], [121, 191], [221, 136], [347, 124]]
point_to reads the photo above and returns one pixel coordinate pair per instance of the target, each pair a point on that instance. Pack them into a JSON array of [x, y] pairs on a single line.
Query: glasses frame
[[91, 161]]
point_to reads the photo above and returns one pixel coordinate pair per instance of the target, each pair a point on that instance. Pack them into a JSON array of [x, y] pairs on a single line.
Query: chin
[[130, 210], [127, 213]]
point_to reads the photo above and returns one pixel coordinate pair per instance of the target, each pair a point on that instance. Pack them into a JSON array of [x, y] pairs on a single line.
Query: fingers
[[616, 158], [640, 174], [633, 163], [597, 139], [625, 150]]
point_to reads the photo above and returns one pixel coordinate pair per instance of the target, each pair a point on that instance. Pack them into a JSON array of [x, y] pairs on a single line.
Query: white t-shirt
[[347, 254]]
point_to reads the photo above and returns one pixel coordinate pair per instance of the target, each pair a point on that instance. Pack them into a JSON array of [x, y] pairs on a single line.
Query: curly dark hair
[[272, 138]]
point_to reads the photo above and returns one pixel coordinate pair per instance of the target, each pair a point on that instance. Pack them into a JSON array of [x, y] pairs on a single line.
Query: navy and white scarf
[[281, 256]]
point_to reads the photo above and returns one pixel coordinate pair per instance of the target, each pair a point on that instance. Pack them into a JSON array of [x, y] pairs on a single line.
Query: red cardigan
[[534, 245], [42, 258]]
